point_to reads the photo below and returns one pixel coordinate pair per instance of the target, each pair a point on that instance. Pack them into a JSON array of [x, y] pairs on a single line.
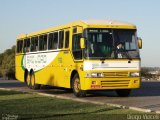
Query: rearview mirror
[[82, 43], [140, 43]]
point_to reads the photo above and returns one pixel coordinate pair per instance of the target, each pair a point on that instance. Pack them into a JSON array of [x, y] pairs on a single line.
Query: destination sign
[[99, 30]]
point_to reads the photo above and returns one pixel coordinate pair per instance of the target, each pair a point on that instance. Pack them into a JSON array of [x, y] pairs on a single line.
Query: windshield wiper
[[103, 59]]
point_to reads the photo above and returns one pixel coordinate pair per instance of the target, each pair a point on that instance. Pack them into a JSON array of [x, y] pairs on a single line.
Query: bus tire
[[28, 80], [33, 83], [76, 86], [123, 92]]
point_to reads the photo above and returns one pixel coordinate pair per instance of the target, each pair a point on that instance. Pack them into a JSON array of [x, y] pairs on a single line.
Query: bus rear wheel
[[123, 92], [76, 86], [28, 80], [33, 83]]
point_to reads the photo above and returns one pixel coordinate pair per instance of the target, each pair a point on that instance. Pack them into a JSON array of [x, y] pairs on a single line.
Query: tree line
[[146, 72], [7, 63]]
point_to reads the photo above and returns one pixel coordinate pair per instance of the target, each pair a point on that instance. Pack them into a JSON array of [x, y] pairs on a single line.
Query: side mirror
[[140, 43], [82, 43]]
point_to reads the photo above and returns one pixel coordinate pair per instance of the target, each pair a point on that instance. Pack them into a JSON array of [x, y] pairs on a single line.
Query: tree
[[1, 59], [7, 63]]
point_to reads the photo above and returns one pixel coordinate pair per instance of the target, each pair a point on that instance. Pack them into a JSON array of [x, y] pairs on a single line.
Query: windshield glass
[[111, 43]]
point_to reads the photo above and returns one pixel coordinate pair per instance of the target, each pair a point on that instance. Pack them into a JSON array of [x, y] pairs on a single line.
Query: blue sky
[[24, 16]]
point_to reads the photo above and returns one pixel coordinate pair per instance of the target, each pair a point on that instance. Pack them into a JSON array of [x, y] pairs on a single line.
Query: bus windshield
[[111, 43]]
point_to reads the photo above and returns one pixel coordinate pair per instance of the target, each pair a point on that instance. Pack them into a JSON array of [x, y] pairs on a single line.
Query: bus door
[[76, 49]]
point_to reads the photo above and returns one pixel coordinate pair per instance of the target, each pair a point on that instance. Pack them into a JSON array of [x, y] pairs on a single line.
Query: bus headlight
[[94, 75], [134, 74]]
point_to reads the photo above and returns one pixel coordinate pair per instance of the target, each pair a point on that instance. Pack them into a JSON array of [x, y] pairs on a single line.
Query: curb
[[86, 101], [68, 98], [5, 89], [140, 109], [158, 112]]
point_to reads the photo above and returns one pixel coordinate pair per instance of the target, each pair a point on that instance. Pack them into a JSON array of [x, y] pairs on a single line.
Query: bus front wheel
[[123, 92], [76, 86], [33, 83]]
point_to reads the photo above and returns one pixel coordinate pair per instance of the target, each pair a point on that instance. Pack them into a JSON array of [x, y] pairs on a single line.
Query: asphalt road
[[147, 97]]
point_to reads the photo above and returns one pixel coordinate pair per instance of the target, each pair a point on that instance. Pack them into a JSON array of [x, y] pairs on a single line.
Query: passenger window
[[61, 39], [43, 42], [66, 39], [50, 41], [34, 44], [77, 51], [26, 45], [55, 40], [19, 46]]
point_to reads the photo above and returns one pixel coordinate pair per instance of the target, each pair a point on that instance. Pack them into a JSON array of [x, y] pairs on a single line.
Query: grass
[[33, 106]]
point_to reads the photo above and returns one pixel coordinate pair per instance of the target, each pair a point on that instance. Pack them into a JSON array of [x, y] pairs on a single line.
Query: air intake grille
[[115, 83], [115, 74]]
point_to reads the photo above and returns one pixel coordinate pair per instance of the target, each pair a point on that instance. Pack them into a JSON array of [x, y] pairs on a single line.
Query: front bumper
[[111, 83]]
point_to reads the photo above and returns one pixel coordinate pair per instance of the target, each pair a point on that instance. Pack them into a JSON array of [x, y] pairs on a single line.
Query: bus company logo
[[36, 59], [9, 117]]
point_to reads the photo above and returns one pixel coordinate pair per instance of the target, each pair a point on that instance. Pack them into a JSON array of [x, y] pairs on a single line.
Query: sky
[[25, 16]]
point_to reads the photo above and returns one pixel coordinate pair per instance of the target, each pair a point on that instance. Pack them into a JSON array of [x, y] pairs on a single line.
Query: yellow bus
[[86, 55]]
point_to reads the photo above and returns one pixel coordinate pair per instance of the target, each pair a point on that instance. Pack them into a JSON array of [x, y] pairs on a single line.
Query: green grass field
[[33, 106]]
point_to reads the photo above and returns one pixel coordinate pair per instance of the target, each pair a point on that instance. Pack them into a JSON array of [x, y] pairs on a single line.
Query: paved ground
[[147, 97]]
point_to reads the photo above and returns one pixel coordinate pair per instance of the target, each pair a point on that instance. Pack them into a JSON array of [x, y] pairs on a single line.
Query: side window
[[50, 41], [19, 46], [61, 39], [34, 44], [77, 51], [43, 42], [26, 45], [55, 40], [66, 39]]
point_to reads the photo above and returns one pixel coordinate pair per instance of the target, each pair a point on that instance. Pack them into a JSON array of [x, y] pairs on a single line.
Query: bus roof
[[99, 23], [106, 22]]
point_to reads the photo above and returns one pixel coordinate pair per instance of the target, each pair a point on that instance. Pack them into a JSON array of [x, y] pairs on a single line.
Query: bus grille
[[115, 83], [115, 74]]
